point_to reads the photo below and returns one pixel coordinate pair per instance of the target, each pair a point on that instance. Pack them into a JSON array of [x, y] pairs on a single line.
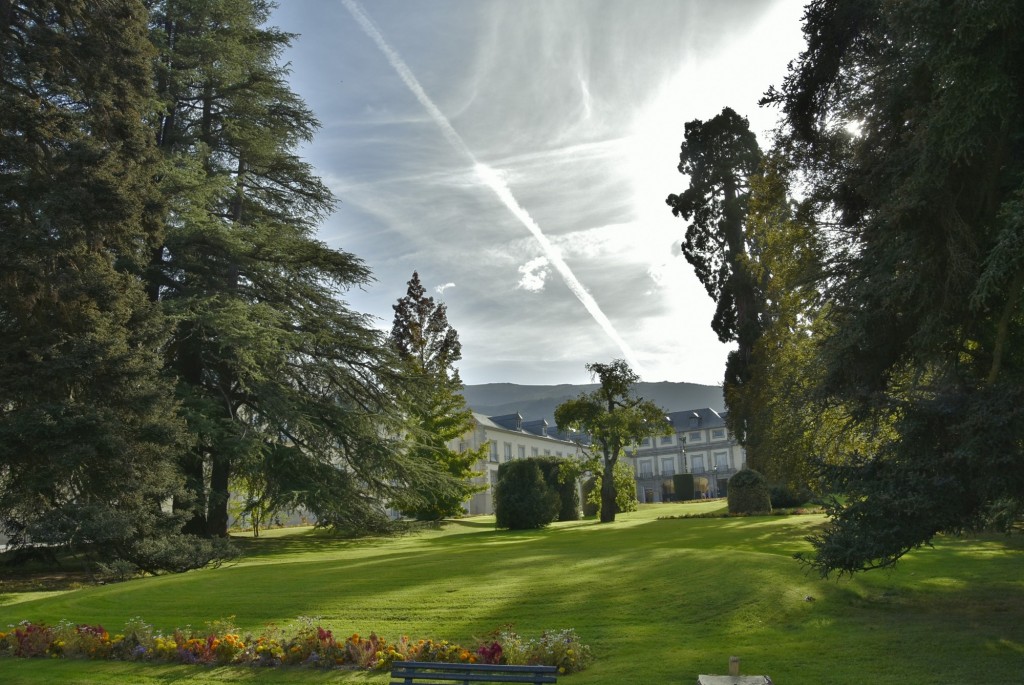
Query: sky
[[517, 154]]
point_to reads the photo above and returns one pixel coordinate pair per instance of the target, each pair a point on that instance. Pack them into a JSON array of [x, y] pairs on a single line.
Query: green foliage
[[775, 414], [522, 498], [625, 490], [920, 213], [561, 648], [562, 477], [611, 418], [89, 427], [170, 325], [748, 493], [683, 485], [427, 348], [421, 333], [718, 157], [279, 380], [785, 496]]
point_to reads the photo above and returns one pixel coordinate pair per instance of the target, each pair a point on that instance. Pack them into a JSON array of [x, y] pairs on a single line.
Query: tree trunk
[[608, 503], [217, 511], [192, 468], [192, 462]]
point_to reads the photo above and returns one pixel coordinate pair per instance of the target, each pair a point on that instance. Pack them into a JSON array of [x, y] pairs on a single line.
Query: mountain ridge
[[539, 401]]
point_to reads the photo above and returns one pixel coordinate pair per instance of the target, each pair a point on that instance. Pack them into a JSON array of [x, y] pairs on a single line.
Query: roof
[[704, 417], [514, 423]]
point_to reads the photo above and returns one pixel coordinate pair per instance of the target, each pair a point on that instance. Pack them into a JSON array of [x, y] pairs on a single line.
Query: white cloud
[[534, 274], [441, 288], [578, 109]]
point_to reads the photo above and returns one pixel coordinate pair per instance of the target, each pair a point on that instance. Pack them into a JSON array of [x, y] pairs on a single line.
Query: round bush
[[748, 493], [788, 497], [522, 498]]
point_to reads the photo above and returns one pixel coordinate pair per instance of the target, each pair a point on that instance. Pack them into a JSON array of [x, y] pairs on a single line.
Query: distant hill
[[539, 401]]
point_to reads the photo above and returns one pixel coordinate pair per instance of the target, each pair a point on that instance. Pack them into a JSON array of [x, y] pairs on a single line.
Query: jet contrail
[[554, 255], [492, 180], [399, 65]]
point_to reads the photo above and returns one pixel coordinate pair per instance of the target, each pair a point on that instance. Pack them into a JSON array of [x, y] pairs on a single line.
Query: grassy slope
[[657, 600]]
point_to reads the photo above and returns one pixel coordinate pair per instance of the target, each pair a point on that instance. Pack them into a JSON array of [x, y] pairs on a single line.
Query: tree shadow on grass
[[472, 523], [306, 542]]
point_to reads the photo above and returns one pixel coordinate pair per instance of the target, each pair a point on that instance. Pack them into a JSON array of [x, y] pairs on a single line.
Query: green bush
[[683, 483], [568, 494], [522, 498], [590, 508], [748, 493], [787, 497]]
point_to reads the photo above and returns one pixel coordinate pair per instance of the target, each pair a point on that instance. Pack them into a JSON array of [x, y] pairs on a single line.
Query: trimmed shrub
[[522, 498], [568, 495], [748, 493], [787, 497], [683, 483]]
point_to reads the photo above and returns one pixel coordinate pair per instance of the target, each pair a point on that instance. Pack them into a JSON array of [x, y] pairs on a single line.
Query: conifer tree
[[88, 425], [275, 372], [428, 348], [720, 157], [904, 120]]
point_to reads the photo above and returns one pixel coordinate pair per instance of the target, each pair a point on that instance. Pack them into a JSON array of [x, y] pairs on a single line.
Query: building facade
[[510, 437], [699, 444]]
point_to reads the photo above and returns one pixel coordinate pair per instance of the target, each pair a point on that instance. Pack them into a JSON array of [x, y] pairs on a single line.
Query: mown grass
[[657, 600]]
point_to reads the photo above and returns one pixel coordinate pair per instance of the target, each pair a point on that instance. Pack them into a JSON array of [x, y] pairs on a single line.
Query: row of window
[[692, 436], [645, 467], [521, 450]]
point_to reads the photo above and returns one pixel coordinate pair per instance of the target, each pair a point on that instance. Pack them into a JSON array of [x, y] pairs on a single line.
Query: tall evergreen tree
[[88, 427], [428, 348], [922, 214], [275, 372], [720, 156]]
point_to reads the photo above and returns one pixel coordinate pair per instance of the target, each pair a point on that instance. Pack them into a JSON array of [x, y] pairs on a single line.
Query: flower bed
[[307, 644]]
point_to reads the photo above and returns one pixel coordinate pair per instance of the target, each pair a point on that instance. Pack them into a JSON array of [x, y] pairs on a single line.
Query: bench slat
[[438, 665], [461, 676], [433, 673], [448, 679], [466, 676]]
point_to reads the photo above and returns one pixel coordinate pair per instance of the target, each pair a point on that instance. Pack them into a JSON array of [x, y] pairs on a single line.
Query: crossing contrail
[[492, 180]]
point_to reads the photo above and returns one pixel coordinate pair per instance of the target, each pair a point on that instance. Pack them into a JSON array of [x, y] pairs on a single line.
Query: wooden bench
[[432, 673]]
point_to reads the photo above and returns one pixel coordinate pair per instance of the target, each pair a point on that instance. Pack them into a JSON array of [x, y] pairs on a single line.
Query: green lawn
[[657, 601]]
